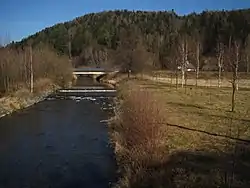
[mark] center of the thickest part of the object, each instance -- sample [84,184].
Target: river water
[60,142]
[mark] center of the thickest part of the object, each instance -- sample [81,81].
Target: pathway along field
[205,145]
[206,79]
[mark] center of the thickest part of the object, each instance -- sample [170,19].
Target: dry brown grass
[139,135]
[43,85]
[22,98]
[201,143]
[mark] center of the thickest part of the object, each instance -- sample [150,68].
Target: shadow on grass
[223,116]
[200,169]
[187,105]
[209,133]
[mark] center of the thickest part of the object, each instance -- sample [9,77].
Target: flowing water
[61,141]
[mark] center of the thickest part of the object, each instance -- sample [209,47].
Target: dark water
[60,142]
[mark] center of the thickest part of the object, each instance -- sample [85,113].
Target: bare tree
[234,60]
[184,58]
[70,35]
[247,64]
[198,53]
[235,73]
[175,59]
[220,52]
[183,63]
[23,67]
[247,54]
[31,71]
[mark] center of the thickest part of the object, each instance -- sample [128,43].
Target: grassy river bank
[22,98]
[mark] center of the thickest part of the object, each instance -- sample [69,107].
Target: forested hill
[97,37]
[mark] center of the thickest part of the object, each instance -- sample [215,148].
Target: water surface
[60,142]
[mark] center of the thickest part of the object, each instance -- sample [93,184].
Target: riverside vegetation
[168,137]
[27,75]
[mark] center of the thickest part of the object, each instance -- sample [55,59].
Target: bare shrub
[43,84]
[140,135]
[48,64]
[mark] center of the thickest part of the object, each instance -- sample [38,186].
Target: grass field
[206,109]
[205,144]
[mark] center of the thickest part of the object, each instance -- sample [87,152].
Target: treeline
[23,67]
[96,39]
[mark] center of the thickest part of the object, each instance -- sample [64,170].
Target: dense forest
[121,38]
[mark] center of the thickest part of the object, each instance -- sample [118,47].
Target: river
[61,141]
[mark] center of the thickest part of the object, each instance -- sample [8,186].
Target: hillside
[102,38]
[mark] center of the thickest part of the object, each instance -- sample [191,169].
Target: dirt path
[243,83]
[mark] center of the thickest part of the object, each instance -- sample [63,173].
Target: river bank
[22,98]
[167,137]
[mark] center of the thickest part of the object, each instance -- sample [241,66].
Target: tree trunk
[183,64]
[237,67]
[31,71]
[247,62]
[182,77]
[233,96]
[176,79]
[185,82]
[220,63]
[26,68]
[171,78]
[198,63]
[69,45]
[219,73]
[235,76]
